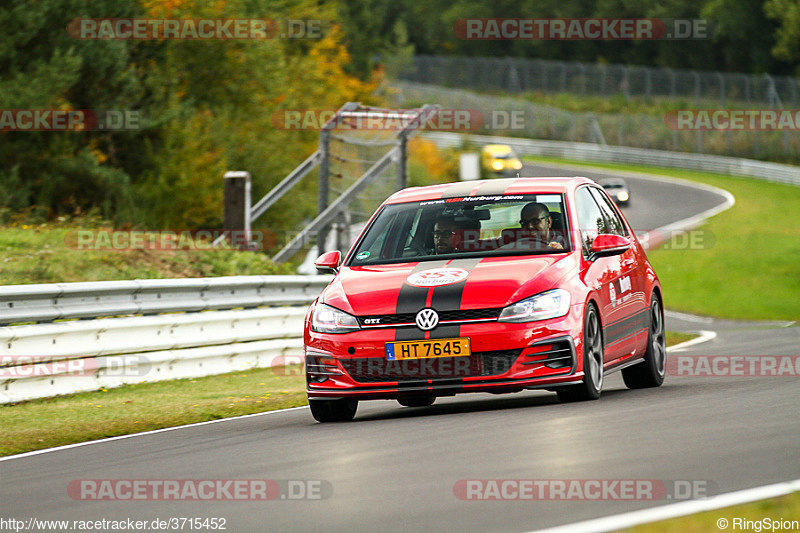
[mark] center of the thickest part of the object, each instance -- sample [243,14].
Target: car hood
[489,283]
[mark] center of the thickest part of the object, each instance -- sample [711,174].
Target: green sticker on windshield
[362,255]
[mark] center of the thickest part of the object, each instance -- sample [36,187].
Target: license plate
[396,351]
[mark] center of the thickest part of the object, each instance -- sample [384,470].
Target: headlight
[327,319]
[497,165]
[517,165]
[622,196]
[550,304]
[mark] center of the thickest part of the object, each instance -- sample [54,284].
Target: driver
[535,218]
[444,233]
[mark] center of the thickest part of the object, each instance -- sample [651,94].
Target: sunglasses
[532,221]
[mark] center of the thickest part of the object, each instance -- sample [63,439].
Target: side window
[591,221]
[613,222]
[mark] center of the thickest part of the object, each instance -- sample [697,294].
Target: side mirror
[605,245]
[329,261]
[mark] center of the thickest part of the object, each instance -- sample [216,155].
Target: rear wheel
[333,410]
[589,388]
[417,401]
[650,373]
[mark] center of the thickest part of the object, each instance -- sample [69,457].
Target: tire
[333,410]
[416,401]
[651,372]
[592,384]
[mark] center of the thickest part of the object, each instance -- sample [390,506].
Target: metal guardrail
[42,360]
[775,172]
[57,301]
[248,321]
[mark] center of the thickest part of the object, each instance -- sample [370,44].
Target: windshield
[505,155]
[465,227]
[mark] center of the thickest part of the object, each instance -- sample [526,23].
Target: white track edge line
[675,510]
[705,336]
[143,433]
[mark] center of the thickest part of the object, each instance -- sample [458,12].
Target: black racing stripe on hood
[448,298]
[411,299]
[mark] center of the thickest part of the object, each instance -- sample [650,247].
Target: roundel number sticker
[436,277]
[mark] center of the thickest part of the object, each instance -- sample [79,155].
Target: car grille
[408,318]
[375,369]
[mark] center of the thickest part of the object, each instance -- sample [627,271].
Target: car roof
[497,148]
[491,187]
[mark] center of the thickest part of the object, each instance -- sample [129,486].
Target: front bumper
[505,358]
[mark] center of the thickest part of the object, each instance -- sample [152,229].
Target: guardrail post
[324,172]
[237,206]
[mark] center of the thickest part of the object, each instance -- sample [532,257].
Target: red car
[485,286]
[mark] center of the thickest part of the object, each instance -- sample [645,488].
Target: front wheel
[650,373]
[333,410]
[589,388]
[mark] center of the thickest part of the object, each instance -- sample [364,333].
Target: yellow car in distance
[499,160]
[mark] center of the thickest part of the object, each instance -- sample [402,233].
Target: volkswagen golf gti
[485,286]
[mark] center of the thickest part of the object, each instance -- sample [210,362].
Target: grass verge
[676,337]
[48,253]
[776,509]
[752,268]
[87,416]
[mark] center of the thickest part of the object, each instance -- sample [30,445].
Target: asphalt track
[395,468]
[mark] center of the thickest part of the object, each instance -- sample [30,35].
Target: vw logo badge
[427,319]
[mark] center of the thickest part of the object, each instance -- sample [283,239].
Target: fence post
[513,76]
[402,171]
[237,207]
[603,75]
[747,89]
[672,84]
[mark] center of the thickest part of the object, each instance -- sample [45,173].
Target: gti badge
[427,319]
